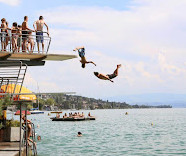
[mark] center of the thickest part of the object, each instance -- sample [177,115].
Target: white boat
[36,112]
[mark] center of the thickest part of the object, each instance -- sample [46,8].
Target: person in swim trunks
[3,34]
[108,76]
[81,51]
[39,32]
[25,34]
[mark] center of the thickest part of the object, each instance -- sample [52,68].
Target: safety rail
[12,73]
[25,42]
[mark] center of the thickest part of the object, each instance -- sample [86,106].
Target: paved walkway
[9,149]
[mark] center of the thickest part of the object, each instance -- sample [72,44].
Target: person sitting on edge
[108,76]
[89,114]
[79,134]
[65,116]
[39,31]
[25,30]
[81,115]
[57,115]
[3,34]
[81,51]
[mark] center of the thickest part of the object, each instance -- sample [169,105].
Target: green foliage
[50,102]
[29,107]
[12,123]
[4,103]
[1,125]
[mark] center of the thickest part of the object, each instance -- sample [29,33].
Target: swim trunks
[111,76]
[19,41]
[81,52]
[39,37]
[24,34]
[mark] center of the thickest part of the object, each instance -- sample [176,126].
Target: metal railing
[12,73]
[27,42]
[33,137]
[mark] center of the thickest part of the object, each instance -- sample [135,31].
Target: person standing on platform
[3,34]
[39,32]
[25,34]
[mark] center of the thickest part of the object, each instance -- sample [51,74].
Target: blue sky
[146,36]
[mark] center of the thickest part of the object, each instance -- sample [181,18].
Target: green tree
[50,102]
[66,105]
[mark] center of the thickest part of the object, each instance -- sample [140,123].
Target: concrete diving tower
[30,54]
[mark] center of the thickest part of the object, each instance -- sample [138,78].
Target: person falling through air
[108,76]
[81,51]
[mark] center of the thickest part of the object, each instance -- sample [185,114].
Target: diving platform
[30,53]
[34,59]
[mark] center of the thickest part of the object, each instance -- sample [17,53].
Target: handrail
[24,43]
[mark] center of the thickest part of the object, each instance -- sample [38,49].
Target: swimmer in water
[81,51]
[108,76]
[79,134]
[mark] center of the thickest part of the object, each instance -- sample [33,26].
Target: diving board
[33,56]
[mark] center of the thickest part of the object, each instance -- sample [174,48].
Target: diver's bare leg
[116,71]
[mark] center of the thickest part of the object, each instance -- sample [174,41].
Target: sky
[146,36]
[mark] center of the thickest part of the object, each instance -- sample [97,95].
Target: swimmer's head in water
[79,133]
[96,73]
[38,137]
[83,65]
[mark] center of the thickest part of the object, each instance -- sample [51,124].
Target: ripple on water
[114,133]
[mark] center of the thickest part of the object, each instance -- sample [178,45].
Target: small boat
[72,119]
[36,112]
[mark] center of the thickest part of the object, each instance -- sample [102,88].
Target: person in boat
[29,128]
[108,76]
[25,34]
[81,51]
[57,115]
[78,114]
[82,115]
[39,31]
[79,134]
[3,34]
[65,116]
[89,114]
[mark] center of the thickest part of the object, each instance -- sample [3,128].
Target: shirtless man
[3,34]
[39,31]
[81,51]
[108,76]
[25,30]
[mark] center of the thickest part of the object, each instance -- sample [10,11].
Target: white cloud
[11,2]
[135,38]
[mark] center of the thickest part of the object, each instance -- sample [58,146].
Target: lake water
[113,133]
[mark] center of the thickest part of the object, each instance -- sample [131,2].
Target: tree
[50,102]
[66,105]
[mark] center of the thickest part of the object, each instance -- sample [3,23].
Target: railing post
[20,126]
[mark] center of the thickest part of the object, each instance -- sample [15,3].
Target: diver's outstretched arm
[91,62]
[78,48]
